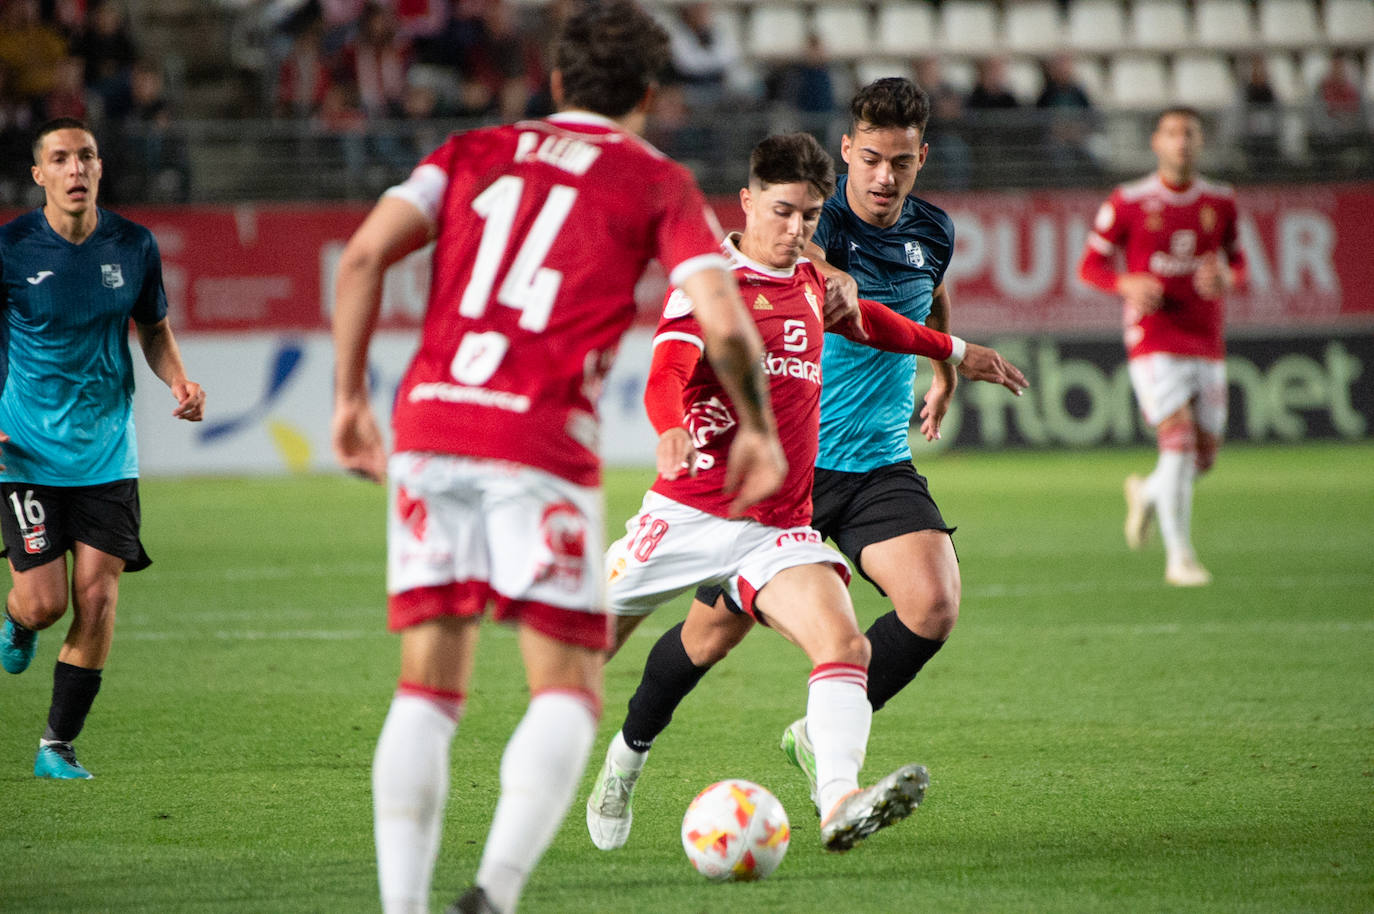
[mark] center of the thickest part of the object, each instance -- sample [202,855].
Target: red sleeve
[1097,269]
[890,331]
[672,365]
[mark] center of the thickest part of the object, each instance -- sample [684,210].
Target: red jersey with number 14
[543,228]
[1168,231]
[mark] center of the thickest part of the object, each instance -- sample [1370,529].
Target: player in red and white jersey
[541,231]
[771,562]
[1167,244]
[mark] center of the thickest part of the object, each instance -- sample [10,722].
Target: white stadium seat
[1033,27]
[777,30]
[969,27]
[905,29]
[1137,82]
[1225,24]
[846,30]
[1159,25]
[1289,23]
[1205,81]
[1285,78]
[1092,76]
[1349,22]
[867,70]
[1097,26]
[1026,79]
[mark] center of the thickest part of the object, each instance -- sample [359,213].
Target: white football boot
[609,816]
[1140,512]
[862,812]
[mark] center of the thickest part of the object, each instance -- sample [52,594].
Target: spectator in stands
[304,78]
[999,138]
[68,96]
[109,51]
[991,92]
[1258,118]
[949,163]
[807,88]
[29,48]
[17,120]
[703,54]
[1069,119]
[156,166]
[340,21]
[376,61]
[1339,127]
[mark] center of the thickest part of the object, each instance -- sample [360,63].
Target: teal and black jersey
[67,402]
[868,396]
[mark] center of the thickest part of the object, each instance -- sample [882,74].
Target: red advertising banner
[1310,250]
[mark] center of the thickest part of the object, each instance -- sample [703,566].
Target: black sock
[73,690]
[669,675]
[898,655]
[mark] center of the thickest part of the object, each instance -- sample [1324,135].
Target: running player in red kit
[1176,233]
[770,562]
[541,231]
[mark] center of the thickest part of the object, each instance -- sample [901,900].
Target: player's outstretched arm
[755,466]
[393,229]
[160,348]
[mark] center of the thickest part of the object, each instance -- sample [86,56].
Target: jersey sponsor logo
[789,366]
[914,255]
[762,304]
[477,396]
[111,275]
[797,536]
[564,532]
[794,335]
[1180,259]
[42,275]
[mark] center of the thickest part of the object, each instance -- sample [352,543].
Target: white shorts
[1164,383]
[669,548]
[463,533]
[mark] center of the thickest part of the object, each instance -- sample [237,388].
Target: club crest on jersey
[811,300]
[914,255]
[36,539]
[111,275]
[1207,217]
[564,533]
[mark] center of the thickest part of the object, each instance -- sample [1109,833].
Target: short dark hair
[893,101]
[1180,111]
[609,53]
[54,125]
[787,158]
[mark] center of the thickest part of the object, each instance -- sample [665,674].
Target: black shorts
[41,523]
[858,509]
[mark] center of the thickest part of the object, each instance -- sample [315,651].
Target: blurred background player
[772,563]
[1167,245]
[495,479]
[73,276]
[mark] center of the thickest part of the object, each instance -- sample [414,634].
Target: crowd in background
[342,67]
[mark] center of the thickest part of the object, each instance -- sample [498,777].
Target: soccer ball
[735,831]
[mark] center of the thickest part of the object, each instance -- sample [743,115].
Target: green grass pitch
[1097,742]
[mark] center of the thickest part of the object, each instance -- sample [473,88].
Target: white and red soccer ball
[735,831]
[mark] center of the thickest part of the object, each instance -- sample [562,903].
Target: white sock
[1170,487]
[540,771]
[628,760]
[838,716]
[409,789]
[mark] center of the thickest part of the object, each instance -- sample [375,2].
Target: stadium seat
[1225,24]
[905,29]
[1098,26]
[846,30]
[869,69]
[1289,23]
[1285,78]
[1349,23]
[1159,25]
[777,31]
[969,27]
[1033,27]
[1026,79]
[1313,66]
[1137,82]
[1205,81]
[1092,76]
